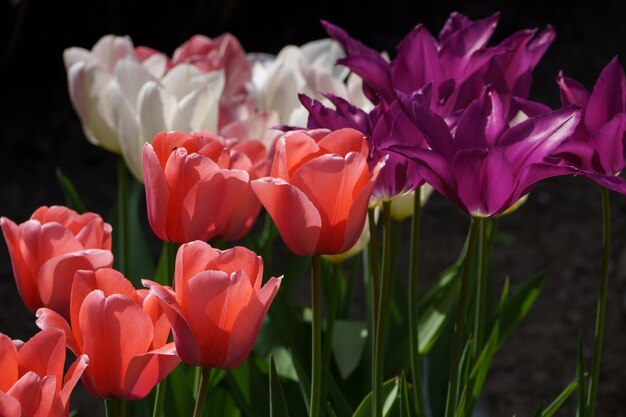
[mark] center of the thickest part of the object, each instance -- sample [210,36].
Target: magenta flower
[597,146]
[485,167]
[384,124]
[459,64]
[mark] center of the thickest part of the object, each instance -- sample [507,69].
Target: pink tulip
[198,186]
[49,248]
[122,330]
[319,190]
[32,382]
[219,304]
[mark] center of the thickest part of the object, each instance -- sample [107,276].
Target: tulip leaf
[330,410]
[518,304]
[180,390]
[303,379]
[581,398]
[220,403]
[390,397]
[348,345]
[558,402]
[437,303]
[239,383]
[72,199]
[278,404]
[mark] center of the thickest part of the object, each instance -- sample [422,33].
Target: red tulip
[198,186]
[319,190]
[122,330]
[49,248]
[32,382]
[218,306]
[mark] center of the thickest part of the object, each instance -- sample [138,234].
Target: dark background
[559,227]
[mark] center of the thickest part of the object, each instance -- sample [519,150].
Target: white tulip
[124,103]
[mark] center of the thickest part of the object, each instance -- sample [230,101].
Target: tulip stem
[373,251]
[459,327]
[159,400]
[115,408]
[601,309]
[203,388]
[316,336]
[416,360]
[481,288]
[381,314]
[122,217]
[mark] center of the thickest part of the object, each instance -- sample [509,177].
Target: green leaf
[483,363]
[404,399]
[72,199]
[558,402]
[303,379]
[518,305]
[349,338]
[390,396]
[581,398]
[539,411]
[180,390]
[330,410]
[278,405]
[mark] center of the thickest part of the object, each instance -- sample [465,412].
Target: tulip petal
[608,141]
[608,97]
[572,92]
[57,274]
[27,391]
[482,123]
[239,259]
[191,259]
[47,319]
[148,369]
[9,406]
[417,62]
[44,354]
[157,192]
[343,141]
[72,376]
[155,110]
[298,220]
[247,324]
[8,363]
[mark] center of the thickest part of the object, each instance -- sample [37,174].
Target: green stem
[374,271]
[159,400]
[601,309]
[316,337]
[331,313]
[122,216]
[459,327]
[115,408]
[416,360]
[381,314]
[203,388]
[481,287]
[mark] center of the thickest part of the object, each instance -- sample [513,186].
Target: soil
[558,228]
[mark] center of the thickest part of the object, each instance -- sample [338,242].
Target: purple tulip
[459,64]
[485,166]
[597,147]
[384,125]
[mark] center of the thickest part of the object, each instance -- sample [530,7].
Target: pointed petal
[572,92]
[44,354]
[482,124]
[8,363]
[608,97]
[148,369]
[48,319]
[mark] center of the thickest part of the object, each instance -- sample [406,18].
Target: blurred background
[558,228]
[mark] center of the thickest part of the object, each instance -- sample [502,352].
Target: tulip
[309,69]
[458,64]
[485,167]
[122,101]
[197,187]
[219,304]
[319,189]
[122,330]
[49,248]
[597,146]
[32,381]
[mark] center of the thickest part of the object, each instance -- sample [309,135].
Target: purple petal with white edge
[375,74]
[417,61]
[432,126]
[608,141]
[482,124]
[534,139]
[485,180]
[608,96]
[572,92]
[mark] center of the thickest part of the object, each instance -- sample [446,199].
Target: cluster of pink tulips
[327,138]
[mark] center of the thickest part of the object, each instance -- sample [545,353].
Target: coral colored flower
[319,190]
[219,304]
[384,124]
[122,101]
[597,147]
[49,248]
[122,330]
[198,187]
[32,381]
[485,167]
[458,64]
